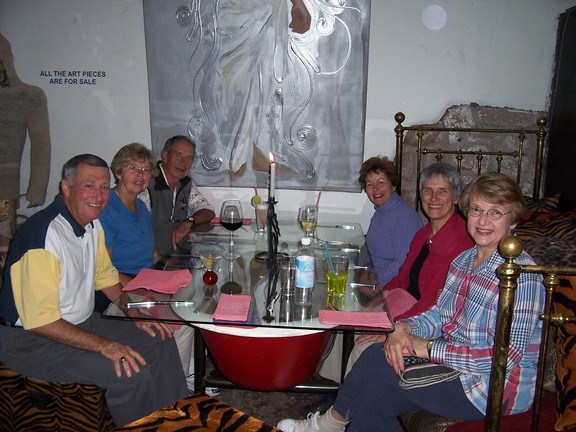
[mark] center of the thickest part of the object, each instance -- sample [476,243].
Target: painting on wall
[250,80]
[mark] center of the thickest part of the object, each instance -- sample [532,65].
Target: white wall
[493,52]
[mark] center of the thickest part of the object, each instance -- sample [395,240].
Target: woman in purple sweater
[394,222]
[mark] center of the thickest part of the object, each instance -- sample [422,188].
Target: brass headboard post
[399,129]
[541,138]
[509,272]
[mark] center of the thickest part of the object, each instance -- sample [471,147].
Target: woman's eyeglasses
[493,214]
[135,169]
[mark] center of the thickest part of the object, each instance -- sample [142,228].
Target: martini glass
[209,254]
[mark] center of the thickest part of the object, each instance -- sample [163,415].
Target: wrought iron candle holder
[271,257]
[272,292]
[273,231]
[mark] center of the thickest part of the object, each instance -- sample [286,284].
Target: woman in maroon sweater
[444,245]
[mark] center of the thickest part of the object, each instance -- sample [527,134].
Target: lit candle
[272,178]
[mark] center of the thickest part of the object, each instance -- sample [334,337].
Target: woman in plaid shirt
[458,331]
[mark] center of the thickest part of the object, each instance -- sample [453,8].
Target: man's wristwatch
[429,347]
[191,219]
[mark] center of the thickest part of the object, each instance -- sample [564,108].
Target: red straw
[318,199]
[256,190]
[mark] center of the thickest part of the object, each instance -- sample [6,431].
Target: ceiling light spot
[434,17]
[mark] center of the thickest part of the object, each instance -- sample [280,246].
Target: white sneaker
[292,425]
[212,391]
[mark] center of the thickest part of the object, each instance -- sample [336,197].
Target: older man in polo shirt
[57,260]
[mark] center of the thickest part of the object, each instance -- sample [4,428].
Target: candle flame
[271,156]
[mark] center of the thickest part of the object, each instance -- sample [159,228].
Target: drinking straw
[318,199]
[256,190]
[329,258]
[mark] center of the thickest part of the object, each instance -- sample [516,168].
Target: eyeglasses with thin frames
[493,214]
[135,169]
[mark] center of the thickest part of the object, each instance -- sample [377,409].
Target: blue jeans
[371,398]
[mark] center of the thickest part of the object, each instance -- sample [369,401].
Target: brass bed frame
[510,248]
[477,158]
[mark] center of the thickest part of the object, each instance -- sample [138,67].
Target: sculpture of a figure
[23,110]
[253,69]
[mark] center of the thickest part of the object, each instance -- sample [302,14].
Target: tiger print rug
[198,413]
[30,404]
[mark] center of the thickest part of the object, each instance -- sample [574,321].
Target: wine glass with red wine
[231,219]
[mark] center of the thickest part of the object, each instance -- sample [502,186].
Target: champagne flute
[231,219]
[307,219]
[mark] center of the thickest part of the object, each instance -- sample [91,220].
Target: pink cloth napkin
[399,301]
[359,319]
[167,282]
[232,307]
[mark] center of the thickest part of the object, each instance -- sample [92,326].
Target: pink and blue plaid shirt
[463,322]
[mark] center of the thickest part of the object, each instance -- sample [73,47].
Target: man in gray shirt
[174,200]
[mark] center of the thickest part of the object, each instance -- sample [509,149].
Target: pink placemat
[359,319]
[232,307]
[399,301]
[167,282]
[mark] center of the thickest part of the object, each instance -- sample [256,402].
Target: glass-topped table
[254,275]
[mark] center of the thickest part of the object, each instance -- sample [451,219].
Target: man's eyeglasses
[135,169]
[493,214]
